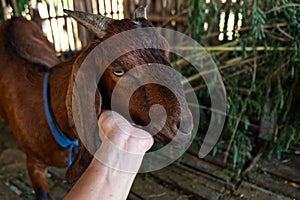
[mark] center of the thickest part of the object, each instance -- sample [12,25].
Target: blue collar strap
[58,135]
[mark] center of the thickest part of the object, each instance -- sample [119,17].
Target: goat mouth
[177,137]
[167,134]
[163,138]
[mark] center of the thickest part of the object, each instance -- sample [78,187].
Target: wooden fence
[65,32]
[67,36]
[162,13]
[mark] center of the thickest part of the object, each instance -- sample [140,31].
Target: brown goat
[25,58]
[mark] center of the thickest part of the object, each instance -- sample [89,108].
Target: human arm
[101,181]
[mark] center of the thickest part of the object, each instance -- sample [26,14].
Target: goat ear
[70,93]
[84,157]
[84,115]
[31,44]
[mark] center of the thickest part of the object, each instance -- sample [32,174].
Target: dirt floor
[189,178]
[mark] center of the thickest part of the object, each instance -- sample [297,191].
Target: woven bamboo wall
[162,13]
[68,36]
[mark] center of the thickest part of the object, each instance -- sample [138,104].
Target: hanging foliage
[259,62]
[18,6]
[197,8]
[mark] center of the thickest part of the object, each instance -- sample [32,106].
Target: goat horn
[141,12]
[95,23]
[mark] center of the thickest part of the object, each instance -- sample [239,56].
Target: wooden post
[4,9]
[15,7]
[129,8]
[84,35]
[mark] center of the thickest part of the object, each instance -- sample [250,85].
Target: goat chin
[136,125]
[180,138]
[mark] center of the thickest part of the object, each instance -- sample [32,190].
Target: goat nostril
[185,125]
[178,125]
[182,128]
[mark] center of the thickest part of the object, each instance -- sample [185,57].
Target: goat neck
[58,83]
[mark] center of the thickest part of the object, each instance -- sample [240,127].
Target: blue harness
[58,135]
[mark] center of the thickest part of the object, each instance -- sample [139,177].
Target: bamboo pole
[244,108]
[181,61]
[84,35]
[283,6]
[15,7]
[4,9]
[231,49]
[232,137]
[221,113]
[247,28]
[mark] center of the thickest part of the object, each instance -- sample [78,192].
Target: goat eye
[119,72]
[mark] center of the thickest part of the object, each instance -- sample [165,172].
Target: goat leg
[79,165]
[38,175]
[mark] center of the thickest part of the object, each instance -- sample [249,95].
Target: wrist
[111,156]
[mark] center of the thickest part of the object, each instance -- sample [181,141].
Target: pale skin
[102,182]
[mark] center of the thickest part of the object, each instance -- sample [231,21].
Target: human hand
[123,145]
[116,129]
[122,150]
